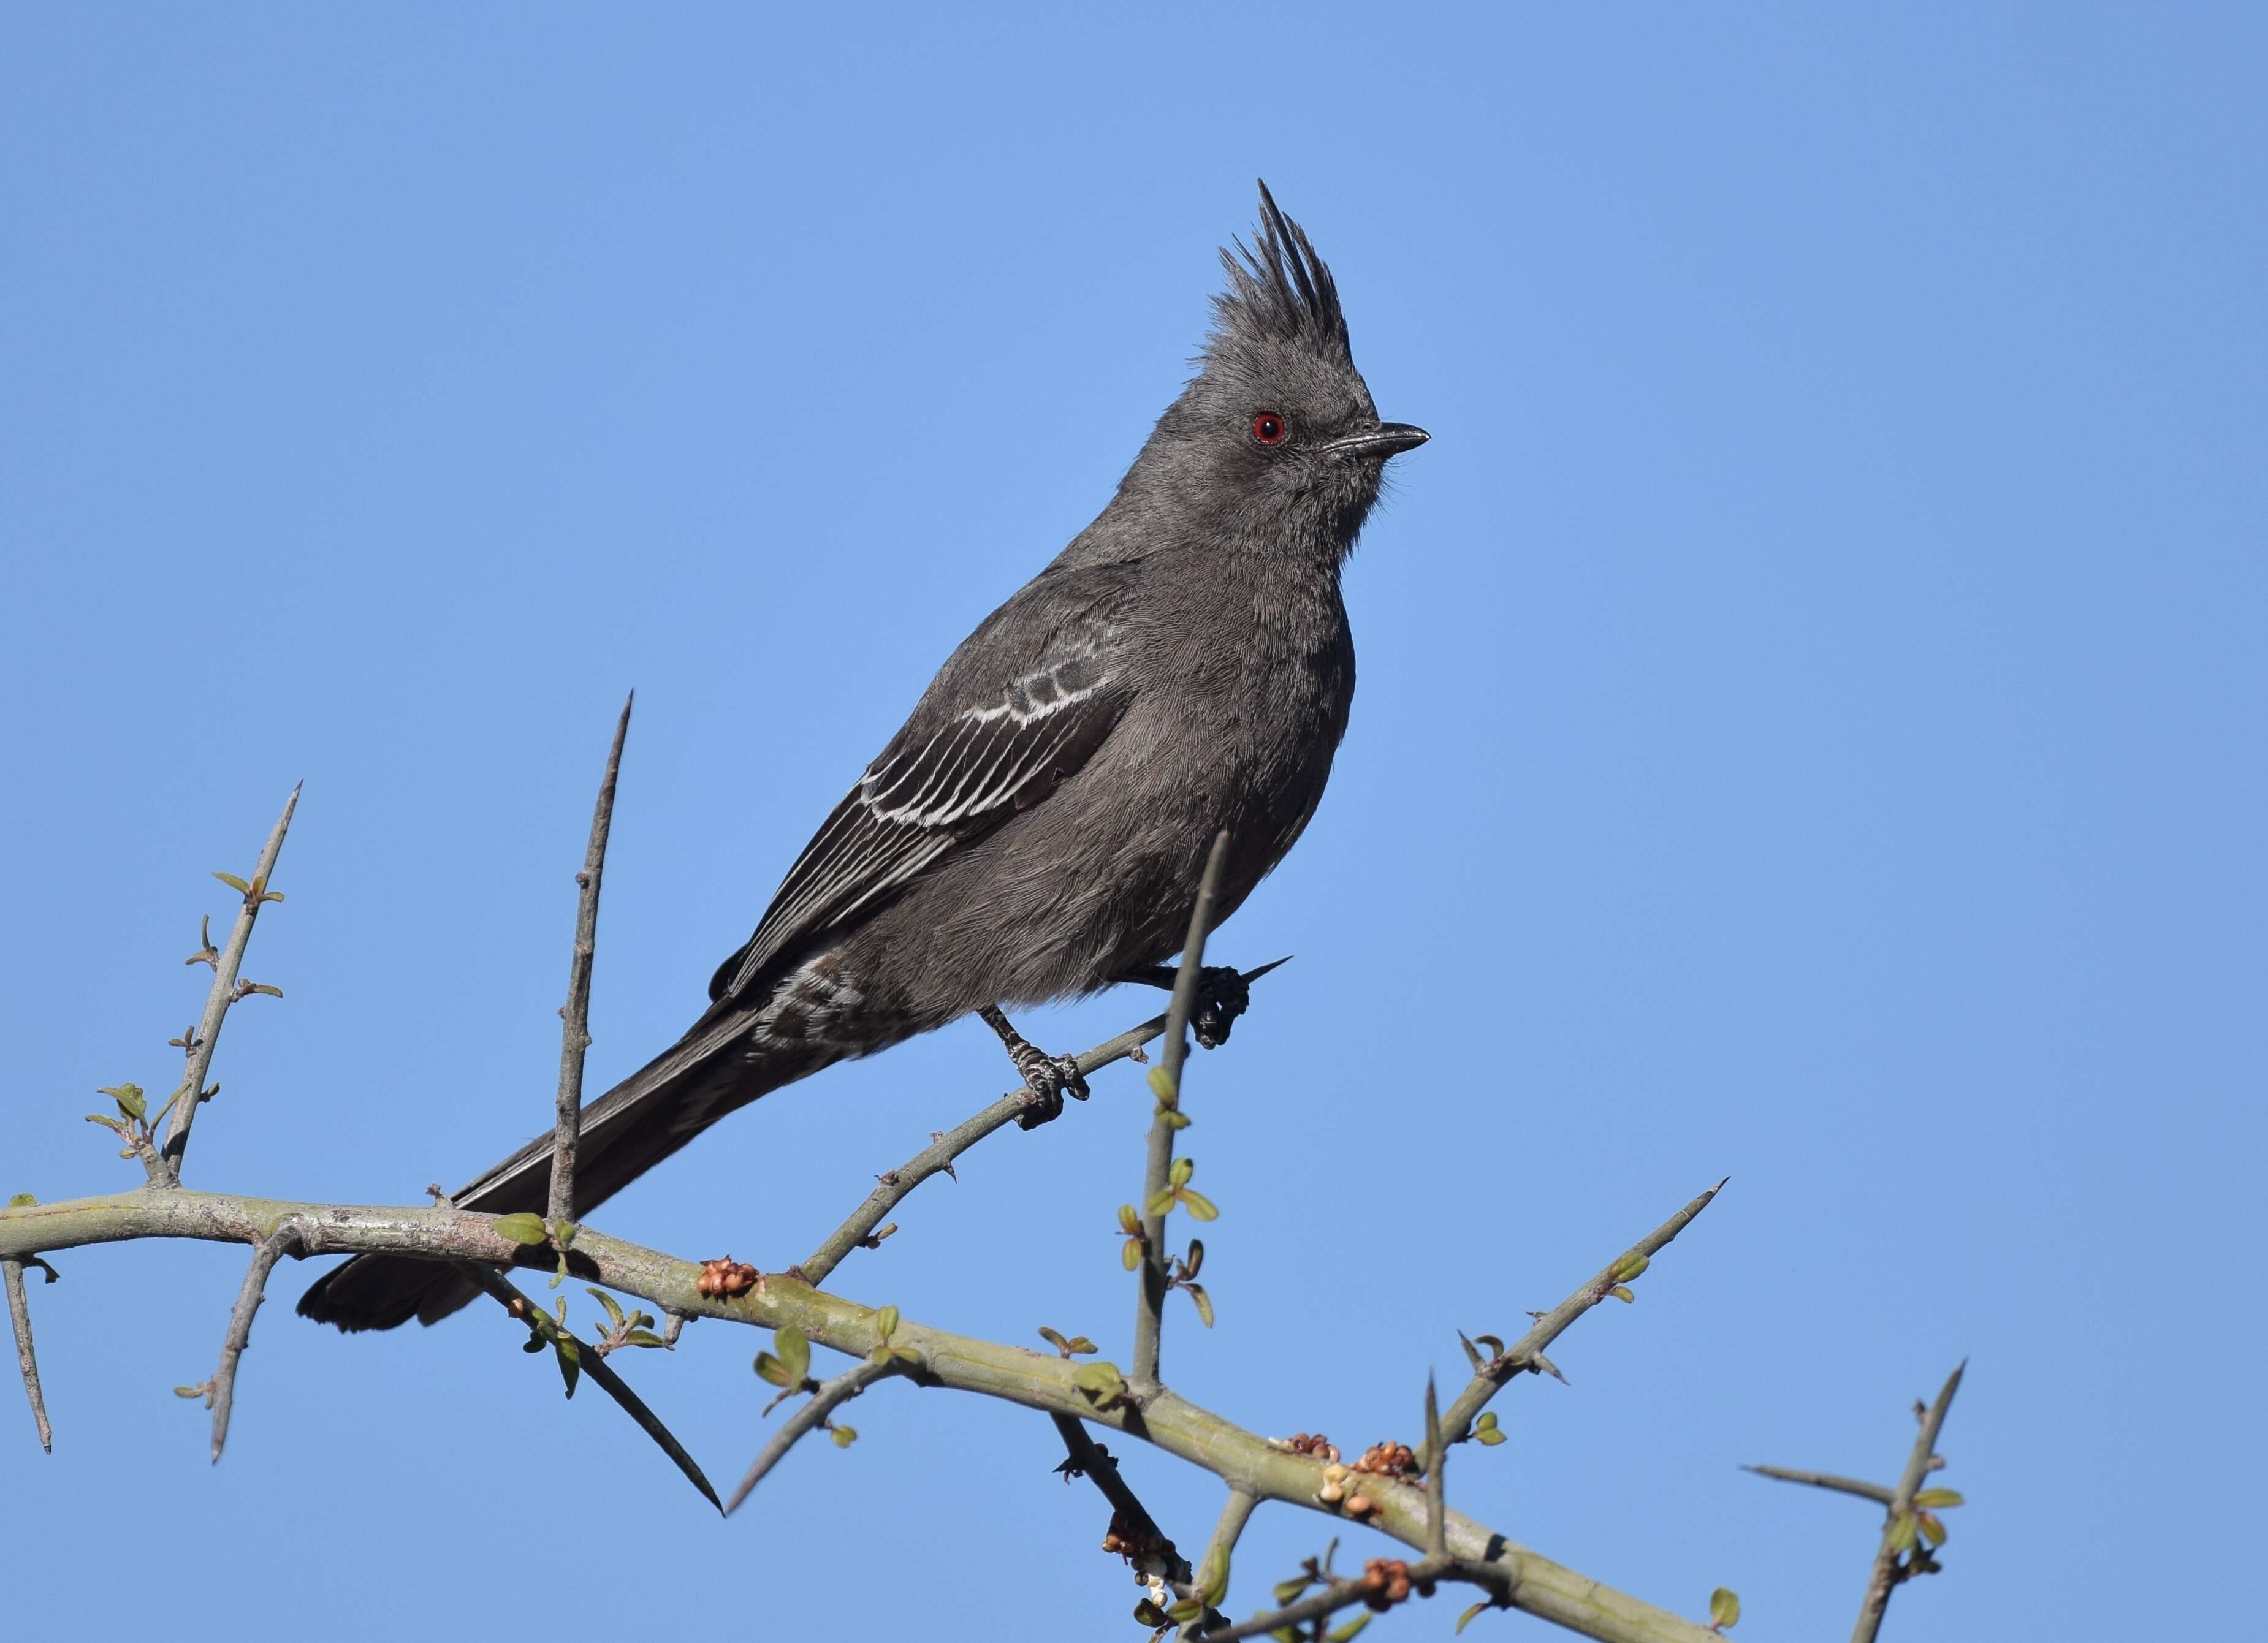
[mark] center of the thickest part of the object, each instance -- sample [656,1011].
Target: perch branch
[575,1035]
[19,1314]
[936,1157]
[1151,1305]
[190,1094]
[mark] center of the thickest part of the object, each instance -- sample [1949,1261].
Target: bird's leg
[1222,996]
[1049,1077]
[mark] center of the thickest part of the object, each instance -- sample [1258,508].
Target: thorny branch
[1527,1354]
[1900,1533]
[220,1391]
[1881,1493]
[19,1315]
[1148,1316]
[830,1396]
[575,1015]
[226,963]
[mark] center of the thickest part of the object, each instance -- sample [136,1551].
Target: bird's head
[1277,429]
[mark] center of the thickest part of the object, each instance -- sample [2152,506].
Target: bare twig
[220,1395]
[1098,1466]
[1878,1493]
[575,1035]
[1151,1302]
[594,1364]
[1896,1525]
[225,993]
[1437,1463]
[1527,1353]
[936,1158]
[830,1396]
[19,1314]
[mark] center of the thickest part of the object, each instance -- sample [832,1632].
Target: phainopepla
[1037,829]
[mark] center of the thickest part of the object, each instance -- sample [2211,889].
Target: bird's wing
[1019,709]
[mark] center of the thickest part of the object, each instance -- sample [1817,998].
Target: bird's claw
[1047,1079]
[1222,996]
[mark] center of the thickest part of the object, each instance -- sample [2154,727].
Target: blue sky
[1809,731]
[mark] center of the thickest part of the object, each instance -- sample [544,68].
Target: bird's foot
[1048,1078]
[1224,993]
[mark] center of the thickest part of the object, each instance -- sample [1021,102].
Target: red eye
[1267,429]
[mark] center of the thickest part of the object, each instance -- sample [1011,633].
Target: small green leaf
[1724,1608]
[1200,1207]
[794,1348]
[906,1354]
[1054,1339]
[1903,1530]
[1182,1170]
[1188,1609]
[614,1307]
[886,1323]
[22,1200]
[564,1233]
[188,1391]
[642,1337]
[1161,1085]
[559,1276]
[1129,1220]
[1631,1265]
[1466,1618]
[234,882]
[1195,1263]
[129,1097]
[571,1361]
[1938,1499]
[1932,1527]
[773,1370]
[1079,1343]
[1175,1118]
[1488,1435]
[1149,1614]
[1130,1253]
[524,1227]
[1284,1591]
[1212,1578]
[1204,1303]
[1621,1292]
[1163,1204]
[843,1436]
[1351,1629]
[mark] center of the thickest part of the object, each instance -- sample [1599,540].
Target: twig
[221,1394]
[830,1396]
[938,1155]
[1098,1466]
[575,1035]
[19,1314]
[1828,1480]
[507,1294]
[1151,1302]
[1527,1353]
[190,1093]
[1886,1574]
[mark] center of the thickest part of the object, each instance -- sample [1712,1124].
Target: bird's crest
[1278,289]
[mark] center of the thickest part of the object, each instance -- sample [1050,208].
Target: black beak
[1386,440]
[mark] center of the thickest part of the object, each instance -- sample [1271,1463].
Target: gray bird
[1037,829]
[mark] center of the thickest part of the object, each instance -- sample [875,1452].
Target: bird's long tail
[712,1071]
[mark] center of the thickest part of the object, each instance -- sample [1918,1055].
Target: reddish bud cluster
[1136,1543]
[1315,1444]
[1387,1580]
[1388,1459]
[723,1278]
